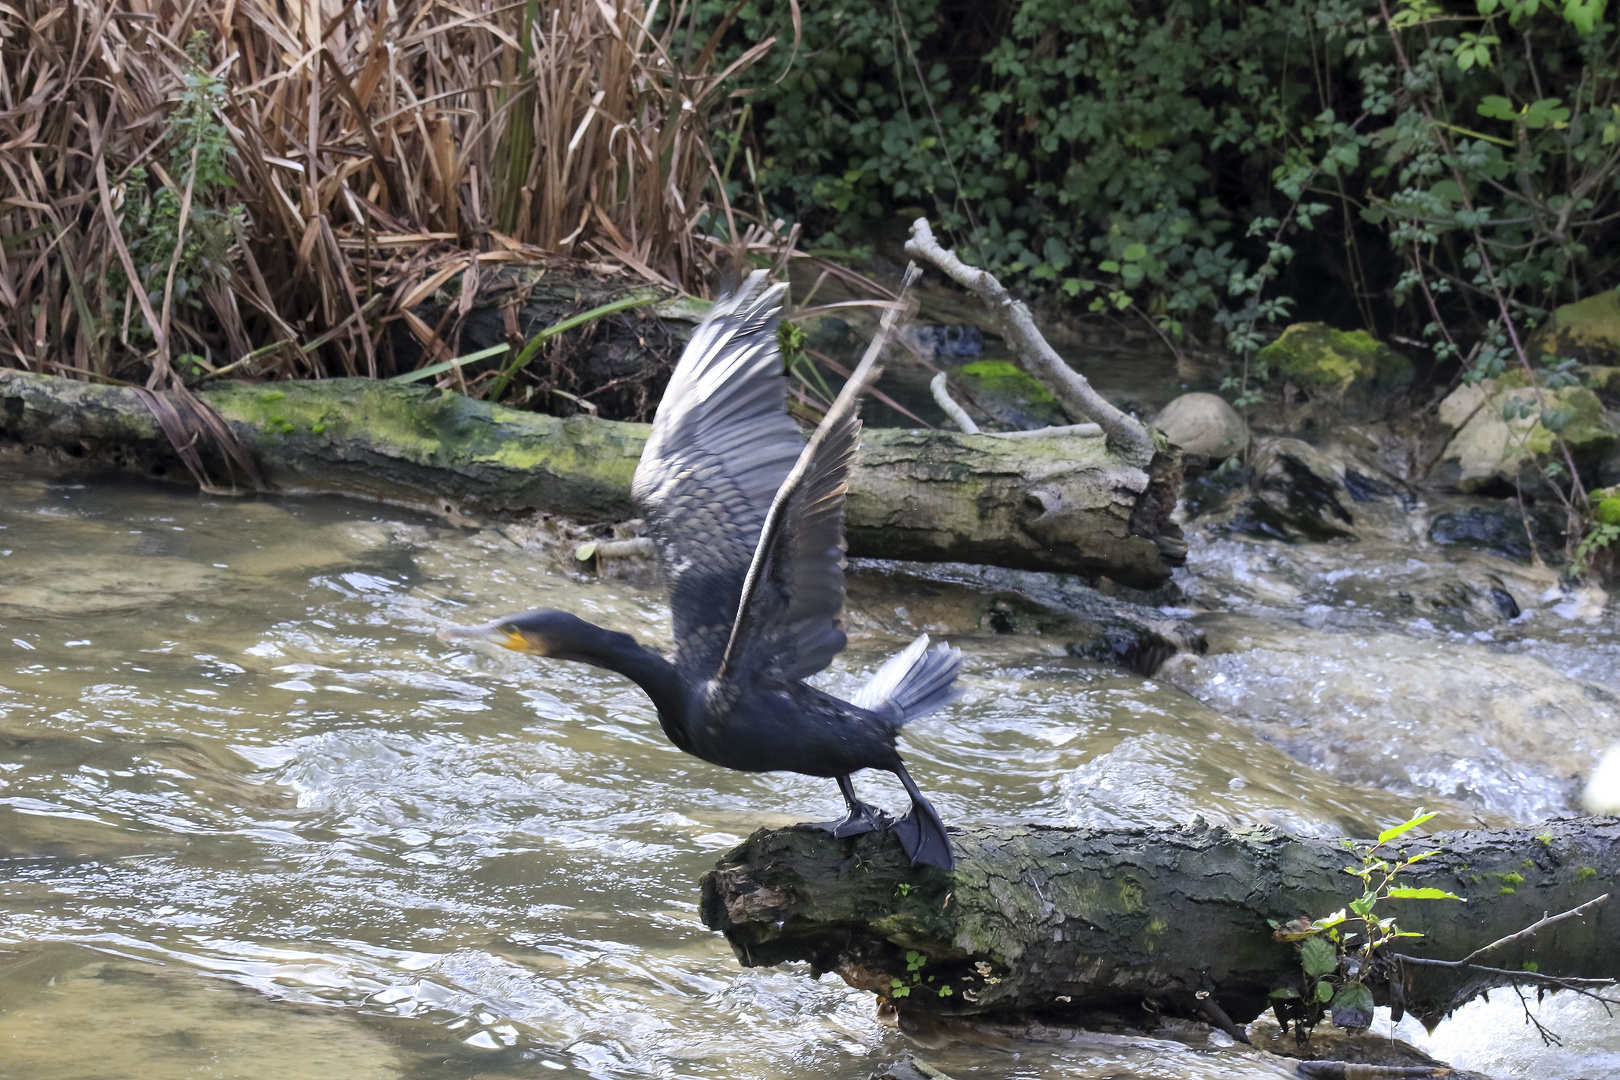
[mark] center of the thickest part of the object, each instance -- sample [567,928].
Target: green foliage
[1340,953]
[1446,172]
[1176,157]
[914,979]
[199,153]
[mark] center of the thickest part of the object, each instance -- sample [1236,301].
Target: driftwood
[1053,503]
[1074,393]
[1073,922]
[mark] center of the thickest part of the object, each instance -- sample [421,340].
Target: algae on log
[1062,920]
[1058,504]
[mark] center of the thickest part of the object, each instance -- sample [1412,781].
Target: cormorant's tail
[914,681]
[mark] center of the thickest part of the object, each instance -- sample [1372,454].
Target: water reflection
[256,820]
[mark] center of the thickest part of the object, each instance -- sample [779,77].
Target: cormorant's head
[539,633]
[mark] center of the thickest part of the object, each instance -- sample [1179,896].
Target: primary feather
[721,446]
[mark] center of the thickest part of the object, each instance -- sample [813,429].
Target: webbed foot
[921,833]
[862,818]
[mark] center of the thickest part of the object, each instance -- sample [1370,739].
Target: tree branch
[1126,435]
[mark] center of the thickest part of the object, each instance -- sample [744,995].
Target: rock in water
[1009,394]
[1293,491]
[1501,429]
[1500,530]
[1204,424]
[1325,362]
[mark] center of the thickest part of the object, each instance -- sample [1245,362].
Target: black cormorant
[748,523]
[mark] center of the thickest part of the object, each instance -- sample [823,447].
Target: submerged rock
[1500,529]
[962,339]
[956,598]
[102,1019]
[1502,437]
[1008,394]
[1328,362]
[1204,424]
[1293,491]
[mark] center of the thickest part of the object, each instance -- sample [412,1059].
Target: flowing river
[256,821]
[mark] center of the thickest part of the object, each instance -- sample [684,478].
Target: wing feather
[722,444]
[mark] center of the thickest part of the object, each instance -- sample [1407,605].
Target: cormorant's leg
[861,818]
[921,833]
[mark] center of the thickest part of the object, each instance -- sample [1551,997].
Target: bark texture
[1057,920]
[1047,503]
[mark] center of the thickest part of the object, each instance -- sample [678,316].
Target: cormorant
[748,522]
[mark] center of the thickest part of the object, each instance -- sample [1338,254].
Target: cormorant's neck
[591,644]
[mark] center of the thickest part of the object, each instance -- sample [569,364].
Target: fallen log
[1054,503]
[1064,922]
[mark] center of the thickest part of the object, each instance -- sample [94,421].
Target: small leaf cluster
[150,218]
[1340,953]
[915,980]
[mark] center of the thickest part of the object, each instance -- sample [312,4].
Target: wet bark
[1058,503]
[1059,921]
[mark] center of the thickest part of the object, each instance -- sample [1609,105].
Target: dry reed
[378,152]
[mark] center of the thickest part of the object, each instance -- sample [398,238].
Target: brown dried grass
[382,149]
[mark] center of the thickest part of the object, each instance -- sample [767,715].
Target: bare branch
[1125,434]
[958,415]
[1546,920]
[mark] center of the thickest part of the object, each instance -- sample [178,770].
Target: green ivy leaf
[1558,418]
[1353,1006]
[1497,107]
[1421,894]
[1405,827]
[1583,15]
[1318,957]
[1548,112]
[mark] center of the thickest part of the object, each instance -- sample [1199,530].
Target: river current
[256,821]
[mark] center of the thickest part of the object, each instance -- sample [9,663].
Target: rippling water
[256,821]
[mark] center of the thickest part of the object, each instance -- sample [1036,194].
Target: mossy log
[1061,921]
[1057,503]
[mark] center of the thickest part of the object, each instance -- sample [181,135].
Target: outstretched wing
[795,576]
[721,445]
[789,624]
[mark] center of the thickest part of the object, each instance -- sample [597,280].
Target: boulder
[1589,331]
[1294,491]
[1499,433]
[1204,424]
[1499,528]
[1323,361]
[1008,394]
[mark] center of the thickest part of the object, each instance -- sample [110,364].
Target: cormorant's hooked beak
[499,632]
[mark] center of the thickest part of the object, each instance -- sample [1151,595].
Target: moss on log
[1079,921]
[1057,503]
